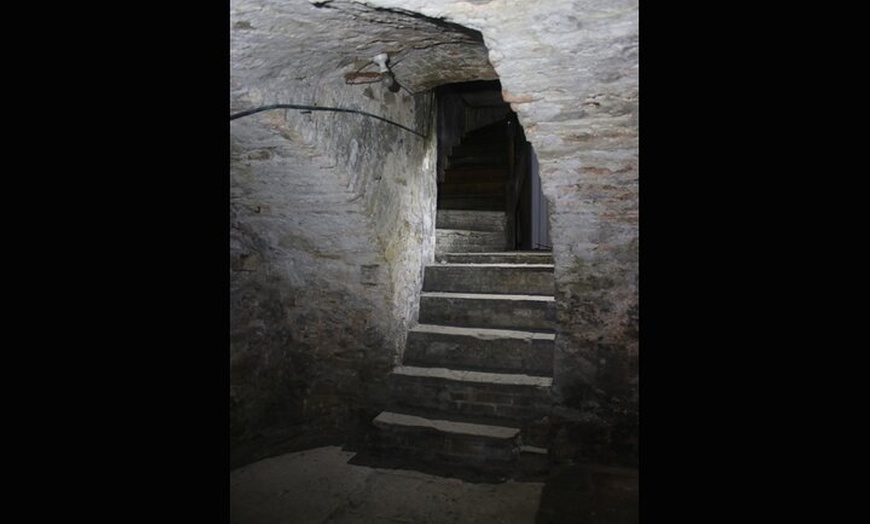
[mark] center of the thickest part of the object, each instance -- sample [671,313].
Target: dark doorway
[485,162]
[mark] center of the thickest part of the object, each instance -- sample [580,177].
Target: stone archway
[307,341]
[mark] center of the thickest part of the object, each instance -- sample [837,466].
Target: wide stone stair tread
[480,377]
[430,439]
[447,240]
[495,265]
[481,349]
[453,416]
[390,418]
[484,333]
[502,311]
[469,232]
[459,220]
[502,278]
[475,396]
[509,257]
[488,296]
[415,439]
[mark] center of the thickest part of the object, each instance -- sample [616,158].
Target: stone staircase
[473,390]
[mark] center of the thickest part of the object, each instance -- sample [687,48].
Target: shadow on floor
[589,495]
[464,473]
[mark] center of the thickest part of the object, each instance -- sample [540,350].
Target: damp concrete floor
[333,486]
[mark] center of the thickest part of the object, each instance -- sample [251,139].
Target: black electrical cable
[320,108]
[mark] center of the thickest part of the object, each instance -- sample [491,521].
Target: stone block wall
[327,249]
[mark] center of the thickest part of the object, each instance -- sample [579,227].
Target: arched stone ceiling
[278,44]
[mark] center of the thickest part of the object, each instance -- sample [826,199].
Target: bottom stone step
[391,419]
[475,445]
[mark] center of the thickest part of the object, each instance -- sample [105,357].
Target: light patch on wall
[427,160]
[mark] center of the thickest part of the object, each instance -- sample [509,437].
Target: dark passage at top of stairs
[477,171]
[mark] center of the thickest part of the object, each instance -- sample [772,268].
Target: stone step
[523,312]
[488,203]
[469,444]
[518,398]
[511,279]
[466,241]
[493,221]
[480,349]
[532,431]
[504,257]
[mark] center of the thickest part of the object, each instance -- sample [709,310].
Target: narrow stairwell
[477,171]
[473,390]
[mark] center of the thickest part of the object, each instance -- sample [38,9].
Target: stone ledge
[493,265]
[387,419]
[509,379]
[483,333]
[487,296]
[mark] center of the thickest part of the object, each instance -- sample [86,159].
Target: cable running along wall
[319,108]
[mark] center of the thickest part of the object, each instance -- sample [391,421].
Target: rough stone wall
[324,277]
[569,70]
[305,279]
[392,173]
[332,218]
